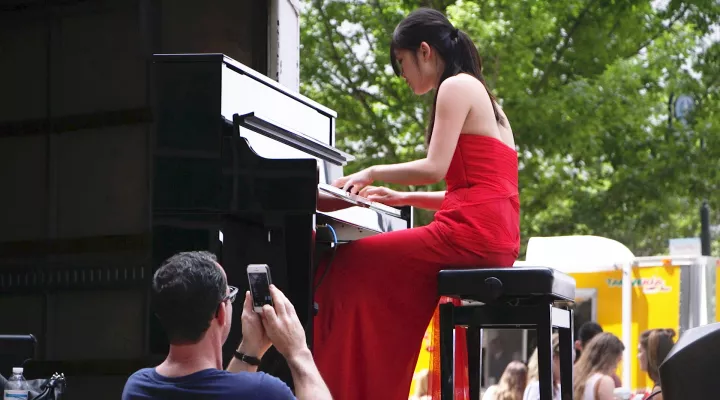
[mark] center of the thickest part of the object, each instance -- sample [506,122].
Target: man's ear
[578,345]
[221,314]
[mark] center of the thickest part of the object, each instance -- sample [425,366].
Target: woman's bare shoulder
[505,119]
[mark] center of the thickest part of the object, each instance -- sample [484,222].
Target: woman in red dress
[380,292]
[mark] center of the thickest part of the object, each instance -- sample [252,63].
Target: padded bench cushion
[501,284]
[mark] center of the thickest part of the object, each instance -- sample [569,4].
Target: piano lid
[245,70]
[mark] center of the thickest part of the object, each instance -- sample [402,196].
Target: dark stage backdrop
[77,239]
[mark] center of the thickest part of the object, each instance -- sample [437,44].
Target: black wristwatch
[247,359]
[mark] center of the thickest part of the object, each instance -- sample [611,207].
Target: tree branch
[384,21]
[660,31]
[559,51]
[352,86]
[356,61]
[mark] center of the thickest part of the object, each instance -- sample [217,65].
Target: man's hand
[288,336]
[255,341]
[283,326]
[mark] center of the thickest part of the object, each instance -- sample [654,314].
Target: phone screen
[260,289]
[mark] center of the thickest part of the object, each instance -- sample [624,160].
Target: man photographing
[194,304]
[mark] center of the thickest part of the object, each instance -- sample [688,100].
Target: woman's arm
[418,172]
[606,387]
[389,197]
[425,200]
[452,108]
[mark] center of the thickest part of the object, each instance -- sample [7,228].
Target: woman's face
[642,359]
[418,68]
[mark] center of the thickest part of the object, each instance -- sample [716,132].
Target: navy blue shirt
[211,384]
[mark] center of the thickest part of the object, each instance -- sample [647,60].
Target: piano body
[237,166]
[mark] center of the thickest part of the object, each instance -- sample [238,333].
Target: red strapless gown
[380,293]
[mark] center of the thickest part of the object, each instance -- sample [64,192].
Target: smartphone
[259,278]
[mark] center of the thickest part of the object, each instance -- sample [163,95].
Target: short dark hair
[588,331]
[186,291]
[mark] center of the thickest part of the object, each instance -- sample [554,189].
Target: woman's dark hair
[588,331]
[656,343]
[453,45]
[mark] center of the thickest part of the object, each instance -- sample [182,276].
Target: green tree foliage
[588,86]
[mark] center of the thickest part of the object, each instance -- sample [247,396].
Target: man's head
[191,298]
[586,332]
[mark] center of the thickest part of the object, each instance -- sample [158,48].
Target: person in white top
[532,391]
[512,383]
[592,378]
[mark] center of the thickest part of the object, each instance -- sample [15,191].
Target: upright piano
[241,161]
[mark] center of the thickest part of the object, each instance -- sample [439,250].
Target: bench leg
[567,349]
[474,343]
[447,352]
[545,354]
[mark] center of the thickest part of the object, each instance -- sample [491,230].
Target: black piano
[239,164]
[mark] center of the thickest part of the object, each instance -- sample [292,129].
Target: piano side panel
[187,148]
[187,105]
[186,166]
[187,184]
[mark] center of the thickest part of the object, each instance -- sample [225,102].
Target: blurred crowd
[597,357]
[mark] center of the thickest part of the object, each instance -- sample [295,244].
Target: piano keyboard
[359,200]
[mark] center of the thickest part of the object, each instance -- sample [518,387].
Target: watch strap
[247,359]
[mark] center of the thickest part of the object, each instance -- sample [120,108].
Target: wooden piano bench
[507,298]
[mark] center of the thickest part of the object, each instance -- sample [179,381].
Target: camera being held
[260,281]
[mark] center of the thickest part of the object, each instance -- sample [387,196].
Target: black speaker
[691,369]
